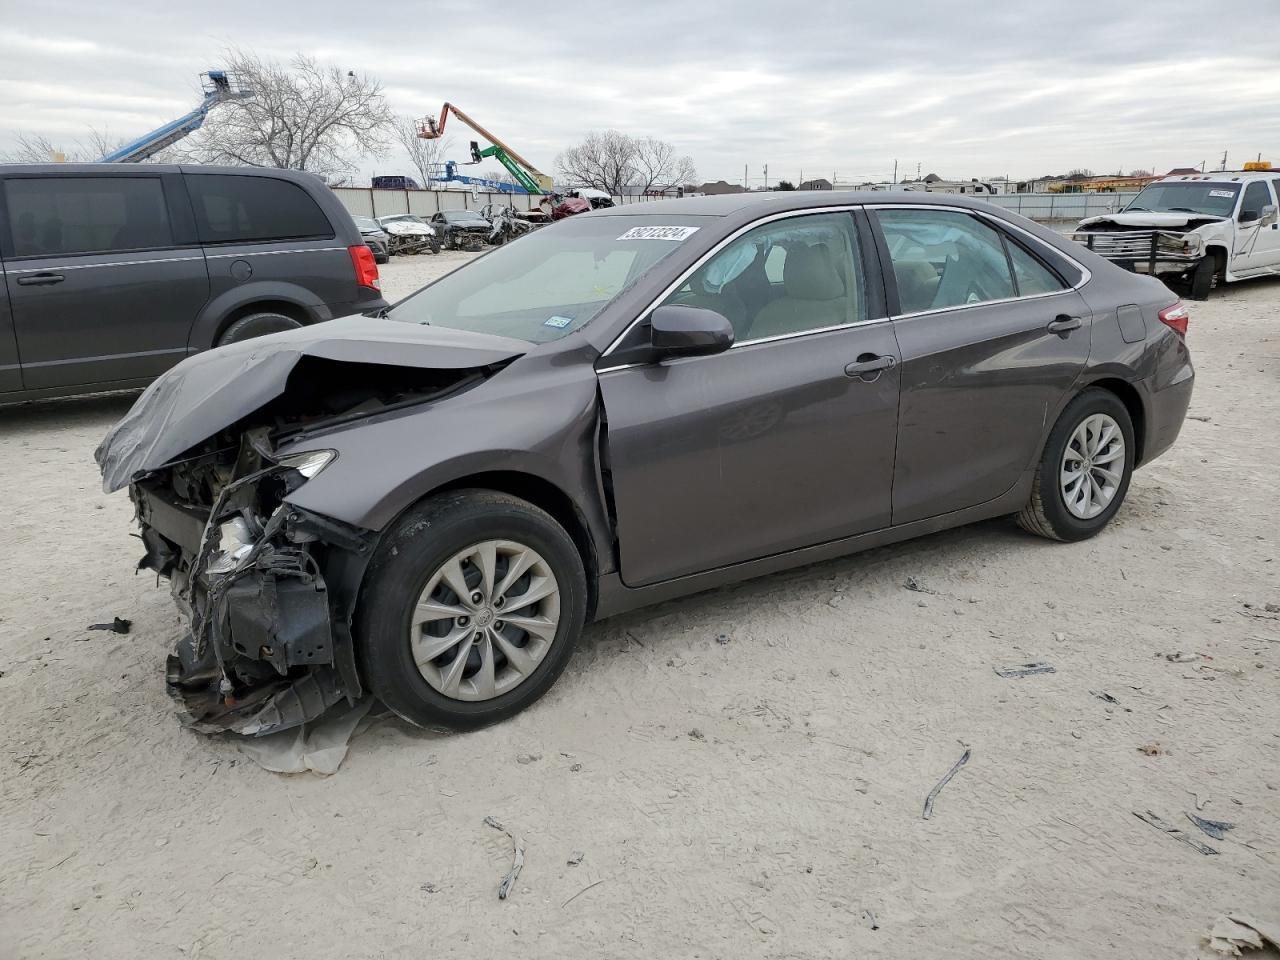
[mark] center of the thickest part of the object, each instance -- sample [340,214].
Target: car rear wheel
[470,610]
[1084,471]
[256,325]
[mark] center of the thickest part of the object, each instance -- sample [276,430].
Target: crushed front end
[267,589]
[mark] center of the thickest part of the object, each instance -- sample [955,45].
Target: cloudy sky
[816,88]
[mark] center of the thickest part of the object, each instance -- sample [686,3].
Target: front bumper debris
[268,604]
[1148,251]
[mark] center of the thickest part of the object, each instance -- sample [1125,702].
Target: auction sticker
[659,233]
[1222,193]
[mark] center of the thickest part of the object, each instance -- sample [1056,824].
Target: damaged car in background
[629,406]
[1200,229]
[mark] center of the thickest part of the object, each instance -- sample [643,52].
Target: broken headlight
[309,462]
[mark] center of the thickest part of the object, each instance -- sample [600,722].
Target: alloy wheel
[485,620]
[1092,466]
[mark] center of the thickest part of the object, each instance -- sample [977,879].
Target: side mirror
[1269,214]
[678,331]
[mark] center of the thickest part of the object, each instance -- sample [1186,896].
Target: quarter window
[944,259]
[1032,276]
[792,276]
[55,216]
[254,209]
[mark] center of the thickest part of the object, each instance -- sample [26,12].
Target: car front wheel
[470,610]
[1084,471]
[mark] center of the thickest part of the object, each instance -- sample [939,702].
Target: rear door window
[55,216]
[944,259]
[249,209]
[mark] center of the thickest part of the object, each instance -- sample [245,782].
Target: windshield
[364,223]
[1210,199]
[551,282]
[401,218]
[462,216]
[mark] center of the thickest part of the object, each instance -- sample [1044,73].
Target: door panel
[116,316]
[765,448]
[10,371]
[977,386]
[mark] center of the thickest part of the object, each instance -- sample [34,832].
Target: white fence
[366,202]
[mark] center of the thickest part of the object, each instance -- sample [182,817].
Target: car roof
[134,169]
[726,204]
[1223,176]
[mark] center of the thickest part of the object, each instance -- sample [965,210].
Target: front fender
[205,331]
[535,418]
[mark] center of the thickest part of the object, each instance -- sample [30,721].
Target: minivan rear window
[248,208]
[56,216]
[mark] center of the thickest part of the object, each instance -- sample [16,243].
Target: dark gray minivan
[114,273]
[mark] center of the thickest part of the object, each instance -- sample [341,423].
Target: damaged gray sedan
[629,406]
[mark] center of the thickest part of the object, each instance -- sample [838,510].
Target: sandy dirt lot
[740,773]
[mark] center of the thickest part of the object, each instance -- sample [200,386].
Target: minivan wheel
[470,610]
[1084,471]
[256,325]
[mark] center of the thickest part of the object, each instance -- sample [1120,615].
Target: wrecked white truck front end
[1154,243]
[212,453]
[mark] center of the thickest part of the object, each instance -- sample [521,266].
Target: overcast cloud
[961,89]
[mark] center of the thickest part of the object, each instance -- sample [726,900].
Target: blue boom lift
[219,87]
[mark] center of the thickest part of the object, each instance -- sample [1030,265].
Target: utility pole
[895,171]
[745,184]
[1224,161]
[1202,163]
[917,169]
[766,176]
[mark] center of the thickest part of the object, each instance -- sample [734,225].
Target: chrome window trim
[996,223]
[90,266]
[267,253]
[697,264]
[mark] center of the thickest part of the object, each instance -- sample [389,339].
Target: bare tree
[655,165]
[37,148]
[304,116]
[603,160]
[1139,173]
[613,161]
[426,156]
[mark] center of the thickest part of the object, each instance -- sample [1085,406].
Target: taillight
[1176,316]
[366,266]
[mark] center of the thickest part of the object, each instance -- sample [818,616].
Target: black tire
[1202,277]
[420,543]
[256,325]
[1046,513]
[435,244]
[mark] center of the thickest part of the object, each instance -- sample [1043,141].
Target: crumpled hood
[1149,219]
[210,391]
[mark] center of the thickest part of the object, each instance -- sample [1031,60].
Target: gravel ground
[741,772]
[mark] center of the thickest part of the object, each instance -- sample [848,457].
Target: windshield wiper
[1131,209]
[1182,210]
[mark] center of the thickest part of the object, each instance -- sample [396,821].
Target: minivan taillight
[1176,316]
[366,266]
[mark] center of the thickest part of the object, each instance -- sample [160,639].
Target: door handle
[40,279]
[870,363]
[1063,324]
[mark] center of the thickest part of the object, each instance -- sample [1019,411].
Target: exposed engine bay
[268,589]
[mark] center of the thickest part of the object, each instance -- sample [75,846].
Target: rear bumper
[1168,396]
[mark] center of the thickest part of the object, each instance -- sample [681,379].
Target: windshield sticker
[1222,193]
[558,322]
[659,233]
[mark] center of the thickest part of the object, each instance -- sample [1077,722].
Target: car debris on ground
[1213,828]
[1025,670]
[117,625]
[1235,930]
[1152,818]
[933,794]
[517,858]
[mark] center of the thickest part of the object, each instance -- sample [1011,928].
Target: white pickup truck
[1206,229]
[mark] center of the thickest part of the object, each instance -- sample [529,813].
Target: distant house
[820,184]
[1181,172]
[721,186]
[975,186]
[1103,185]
